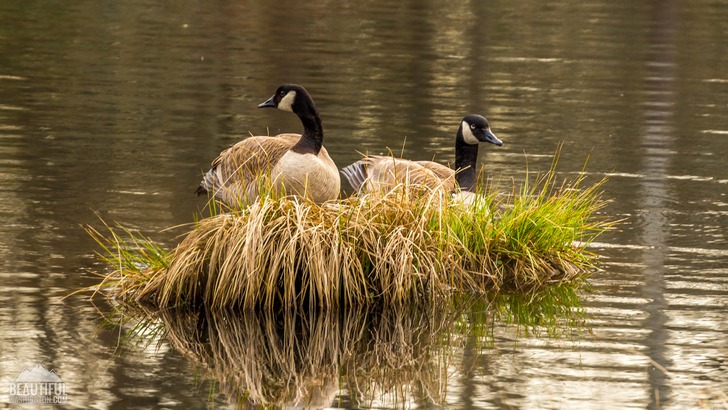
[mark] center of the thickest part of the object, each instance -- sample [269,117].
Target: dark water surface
[115,108]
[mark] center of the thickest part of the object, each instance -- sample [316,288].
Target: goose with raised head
[296,164]
[376,173]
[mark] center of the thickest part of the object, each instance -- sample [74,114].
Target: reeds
[399,247]
[539,237]
[134,258]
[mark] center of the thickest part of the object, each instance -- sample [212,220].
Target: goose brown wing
[384,172]
[444,173]
[234,173]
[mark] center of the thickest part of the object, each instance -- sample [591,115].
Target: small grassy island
[401,247]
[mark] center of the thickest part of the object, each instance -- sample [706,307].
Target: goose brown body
[377,173]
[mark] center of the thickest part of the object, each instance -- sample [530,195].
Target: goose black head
[289,97]
[475,129]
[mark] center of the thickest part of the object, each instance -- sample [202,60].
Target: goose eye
[472,126]
[282,93]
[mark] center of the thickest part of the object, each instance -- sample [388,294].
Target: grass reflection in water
[385,357]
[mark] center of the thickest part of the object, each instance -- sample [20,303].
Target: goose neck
[466,156]
[313,135]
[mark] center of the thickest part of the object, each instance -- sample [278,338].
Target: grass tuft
[134,258]
[399,247]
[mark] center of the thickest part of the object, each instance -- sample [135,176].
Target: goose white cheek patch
[468,134]
[286,103]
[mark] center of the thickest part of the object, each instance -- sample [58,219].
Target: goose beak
[490,137]
[268,103]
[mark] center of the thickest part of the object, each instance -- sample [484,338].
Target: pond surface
[113,109]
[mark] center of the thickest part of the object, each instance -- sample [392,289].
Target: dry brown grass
[398,247]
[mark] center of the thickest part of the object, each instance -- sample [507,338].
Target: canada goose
[297,163]
[374,172]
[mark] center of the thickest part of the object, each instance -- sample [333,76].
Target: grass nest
[399,247]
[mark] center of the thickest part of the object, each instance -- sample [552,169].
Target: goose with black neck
[377,173]
[296,164]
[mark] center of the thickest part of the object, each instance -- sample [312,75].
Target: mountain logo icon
[37,374]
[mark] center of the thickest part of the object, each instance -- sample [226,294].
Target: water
[115,109]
